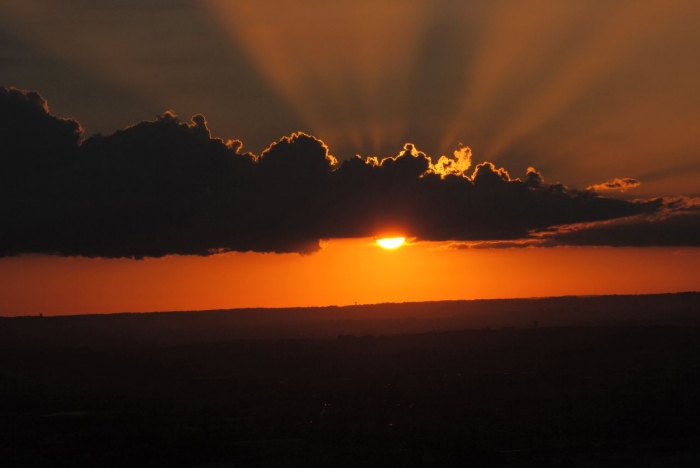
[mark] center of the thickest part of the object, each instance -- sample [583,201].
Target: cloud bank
[168,187]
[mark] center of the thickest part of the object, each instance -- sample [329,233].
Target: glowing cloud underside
[391,242]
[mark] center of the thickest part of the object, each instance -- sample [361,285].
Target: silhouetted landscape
[568,381]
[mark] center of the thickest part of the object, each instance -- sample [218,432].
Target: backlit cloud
[616,185]
[169,187]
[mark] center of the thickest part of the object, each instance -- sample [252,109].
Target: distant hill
[166,328]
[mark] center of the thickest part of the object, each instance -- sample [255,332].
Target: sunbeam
[582,90]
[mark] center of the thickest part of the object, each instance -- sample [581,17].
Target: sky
[176,155]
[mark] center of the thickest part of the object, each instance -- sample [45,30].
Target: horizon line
[334,306]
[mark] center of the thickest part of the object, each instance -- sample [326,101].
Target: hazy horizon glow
[343,273]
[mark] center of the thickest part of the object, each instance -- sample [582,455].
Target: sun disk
[391,242]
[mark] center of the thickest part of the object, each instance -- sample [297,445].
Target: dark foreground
[586,395]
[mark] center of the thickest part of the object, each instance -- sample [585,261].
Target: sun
[391,242]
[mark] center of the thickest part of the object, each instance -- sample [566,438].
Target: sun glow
[391,242]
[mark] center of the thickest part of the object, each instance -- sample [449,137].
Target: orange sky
[344,272]
[585,92]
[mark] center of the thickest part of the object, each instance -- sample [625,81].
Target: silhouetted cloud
[26,126]
[168,187]
[676,224]
[32,142]
[518,244]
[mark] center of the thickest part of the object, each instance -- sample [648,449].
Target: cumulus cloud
[169,187]
[457,165]
[32,141]
[27,126]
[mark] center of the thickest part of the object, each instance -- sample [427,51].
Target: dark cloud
[168,187]
[27,127]
[33,143]
[518,244]
[676,224]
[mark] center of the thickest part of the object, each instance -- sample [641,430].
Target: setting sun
[391,242]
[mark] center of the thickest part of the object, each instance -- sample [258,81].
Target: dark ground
[607,389]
